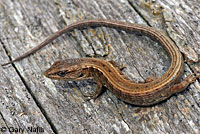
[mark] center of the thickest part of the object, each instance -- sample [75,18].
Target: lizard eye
[61,73]
[81,75]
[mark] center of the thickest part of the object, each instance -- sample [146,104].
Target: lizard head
[69,69]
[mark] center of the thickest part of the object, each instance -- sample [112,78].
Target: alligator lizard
[107,73]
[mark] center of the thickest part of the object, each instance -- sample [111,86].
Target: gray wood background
[28,99]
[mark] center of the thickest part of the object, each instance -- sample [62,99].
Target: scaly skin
[106,73]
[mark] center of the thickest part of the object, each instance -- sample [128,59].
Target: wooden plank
[19,111]
[59,106]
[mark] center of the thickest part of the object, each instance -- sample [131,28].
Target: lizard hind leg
[185,83]
[150,78]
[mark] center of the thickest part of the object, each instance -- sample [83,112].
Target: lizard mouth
[46,74]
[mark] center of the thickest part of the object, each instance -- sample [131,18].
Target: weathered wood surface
[28,99]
